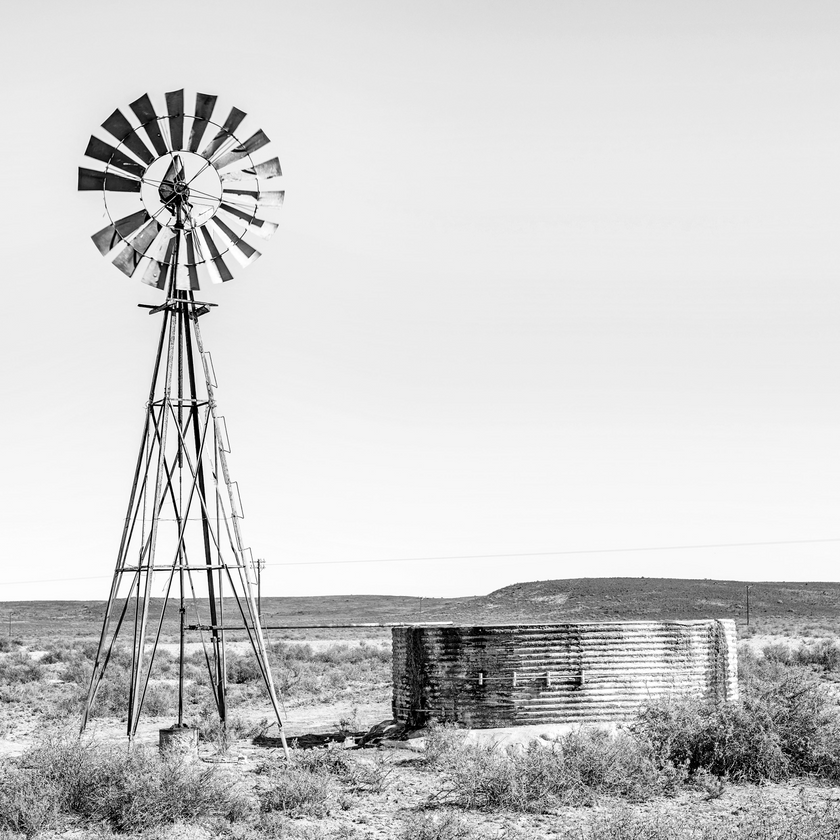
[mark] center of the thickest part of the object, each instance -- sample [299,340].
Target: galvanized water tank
[592,672]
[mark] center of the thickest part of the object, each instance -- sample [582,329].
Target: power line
[483,556]
[547,553]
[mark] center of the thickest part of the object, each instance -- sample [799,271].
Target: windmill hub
[181,184]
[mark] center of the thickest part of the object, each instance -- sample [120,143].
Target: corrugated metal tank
[515,675]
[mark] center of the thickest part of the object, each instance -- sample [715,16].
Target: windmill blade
[219,272]
[204,104]
[269,198]
[256,141]
[175,109]
[157,272]
[169,256]
[259,227]
[90,179]
[100,150]
[154,271]
[181,282]
[121,128]
[108,237]
[269,169]
[233,121]
[241,250]
[231,191]
[148,271]
[191,261]
[145,112]
[128,259]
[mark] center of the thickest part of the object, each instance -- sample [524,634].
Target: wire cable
[483,556]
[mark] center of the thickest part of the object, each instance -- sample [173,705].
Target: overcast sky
[555,276]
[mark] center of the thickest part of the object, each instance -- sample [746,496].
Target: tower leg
[181,476]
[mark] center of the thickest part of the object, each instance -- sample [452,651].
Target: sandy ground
[413,790]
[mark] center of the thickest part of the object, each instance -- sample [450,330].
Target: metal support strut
[182,500]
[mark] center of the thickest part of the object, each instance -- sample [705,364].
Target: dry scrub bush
[575,770]
[67,781]
[823,655]
[441,825]
[786,724]
[294,792]
[358,774]
[306,674]
[56,686]
[211,731]
[443,743]
[19,668]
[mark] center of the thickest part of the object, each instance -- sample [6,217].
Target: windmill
[185,199]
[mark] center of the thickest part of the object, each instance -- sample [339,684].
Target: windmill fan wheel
[182,193]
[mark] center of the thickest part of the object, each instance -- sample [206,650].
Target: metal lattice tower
[178,205]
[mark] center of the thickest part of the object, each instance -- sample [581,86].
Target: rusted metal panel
[509,675]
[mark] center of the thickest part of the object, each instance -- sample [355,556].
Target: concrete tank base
[532,674]
[179,740]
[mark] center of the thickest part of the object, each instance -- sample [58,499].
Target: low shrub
[211,731]
[83,782]
[359,774]
[786,724]
[725,740]
[574,770]
[19,667]
[443,743]
[439,825]
[242,668]
[824,655]
[27,806]
[160,699]
[294,792]
[326,760]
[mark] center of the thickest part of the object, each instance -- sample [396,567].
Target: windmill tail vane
[183,195]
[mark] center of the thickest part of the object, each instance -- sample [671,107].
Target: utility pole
[10,624]
[748,605]
[260,567]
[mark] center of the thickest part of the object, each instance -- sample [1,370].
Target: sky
[551,277]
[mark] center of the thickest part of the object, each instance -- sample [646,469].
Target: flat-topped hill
[773,606]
